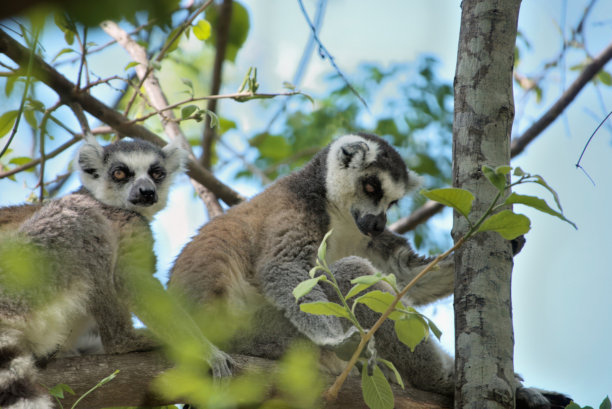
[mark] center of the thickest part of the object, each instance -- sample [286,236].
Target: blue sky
[562,280]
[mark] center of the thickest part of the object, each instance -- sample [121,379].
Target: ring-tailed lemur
[66,266]
[253,256]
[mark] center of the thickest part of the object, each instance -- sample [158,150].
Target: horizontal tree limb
[137,369]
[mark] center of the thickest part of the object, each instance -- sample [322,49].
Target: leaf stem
[332,393]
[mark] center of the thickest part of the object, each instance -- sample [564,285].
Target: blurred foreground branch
[137,370]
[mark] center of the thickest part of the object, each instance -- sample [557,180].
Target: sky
[562,280]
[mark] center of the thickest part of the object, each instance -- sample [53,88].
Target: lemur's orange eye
[119,174]
[369,188]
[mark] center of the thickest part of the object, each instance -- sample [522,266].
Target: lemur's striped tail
[18,387]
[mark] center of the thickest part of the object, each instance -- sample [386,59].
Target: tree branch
[518,144]
[138,369]
[65,89]
[420,215]
[222,29]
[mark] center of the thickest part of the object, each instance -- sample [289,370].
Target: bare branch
[35,162]
[222,29]
[65,89]
[138,369]
[589,72]
[420,215]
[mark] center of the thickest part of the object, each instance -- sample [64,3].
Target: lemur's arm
[391,253]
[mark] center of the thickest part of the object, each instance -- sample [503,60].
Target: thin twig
[325,53]
[587,144]
[237,95]
[304,60]
[83,62]
[332,393]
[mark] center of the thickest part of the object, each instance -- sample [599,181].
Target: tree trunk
[484,111]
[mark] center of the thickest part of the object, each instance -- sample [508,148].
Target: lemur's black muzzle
[371,224]
[143,193]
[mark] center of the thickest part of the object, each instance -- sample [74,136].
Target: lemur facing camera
[253,256]
[63,265]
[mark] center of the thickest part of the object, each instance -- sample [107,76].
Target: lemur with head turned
[80,252]
[253,256]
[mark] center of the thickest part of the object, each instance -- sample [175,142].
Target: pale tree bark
[484,111]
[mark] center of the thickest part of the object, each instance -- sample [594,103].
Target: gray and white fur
[253,256]
[77,250]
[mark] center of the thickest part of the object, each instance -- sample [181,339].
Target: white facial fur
[341,180]
[171,158]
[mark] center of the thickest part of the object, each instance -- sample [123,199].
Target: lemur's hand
[517,244]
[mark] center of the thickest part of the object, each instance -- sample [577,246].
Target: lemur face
[132,175]
[366,176]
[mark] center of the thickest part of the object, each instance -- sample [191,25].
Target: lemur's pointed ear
[176,156]
[90,157]
[353,154]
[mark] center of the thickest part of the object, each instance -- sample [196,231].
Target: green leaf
[497,179]
[503,169]
[411,329]
[21,160]
[7,121]
[305,287]
[379,301]
[518,172]
[362,283]
[459,199]
[30,118]
[390,278]
[367,280]
[130,65]
[59,389]
[538,204]
[10,84]
[189,84]
[202,30]
[540,181]
[604,77]
[356,289]
[289,86]
[324,308]
[392,367]
[61,52]
[322,252]
[376,390]
[510,225]
[175,43]
[186,111]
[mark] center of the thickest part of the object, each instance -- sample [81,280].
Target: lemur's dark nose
[372,224]
[143,193]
